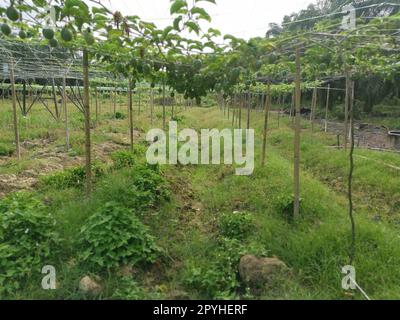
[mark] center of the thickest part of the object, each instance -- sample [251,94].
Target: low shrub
[5,150]
[127,158]
[114,236]
[236,225]
[217,278]
[27,240]
[70,178]
[139,187]
[119,116]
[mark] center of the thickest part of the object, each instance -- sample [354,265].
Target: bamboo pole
[164,111]
[327,107]
[313,108]
[297,137]
[248,109]
[346,111]
[267,105]
[240,110]
[97,104]
[14,106]
[64,100]
[152,105]
[130,112]
[86,102]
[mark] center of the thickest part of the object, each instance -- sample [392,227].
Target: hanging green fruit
[53,43]
[22,34]
[12,13]
[48,33]
[66,34]
[5,28]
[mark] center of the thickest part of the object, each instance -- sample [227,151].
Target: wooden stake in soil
[266,116]
[130,112]
[152,105]
[24,112]
[97,104]
[64,101]
[53,90]
[14,106]
[280,110]
[297,132]
[346,110]
[327,107]
[140,98]
[86,102]
[313,108]
[248,109]
[164,111]
[115,102]
[240,110]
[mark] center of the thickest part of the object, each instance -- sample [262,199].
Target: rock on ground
[88,285]
[257,272]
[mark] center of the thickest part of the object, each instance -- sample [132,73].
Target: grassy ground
[203,218]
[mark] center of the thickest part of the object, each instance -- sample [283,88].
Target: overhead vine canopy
[123,45]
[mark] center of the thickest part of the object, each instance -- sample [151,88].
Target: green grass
[202,240]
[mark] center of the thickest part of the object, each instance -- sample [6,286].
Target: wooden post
[152,105]
[115,102]
[64,101]
[130,112]
[53,90]
[111,99]
[280,109]
[240,110]
[293,107]
[172,108]
[164,111]
[327,107]
[248,109]
[346,110]
[24,98]
[313,108]
[14,106]
[88,143]
[140,98]
[228,105]
[297,137]
[233,116]
[97,104]
[267,104]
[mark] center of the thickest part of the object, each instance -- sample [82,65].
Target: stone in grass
[90,286]
[257,272]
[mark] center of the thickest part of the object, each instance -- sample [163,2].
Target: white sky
[241,18]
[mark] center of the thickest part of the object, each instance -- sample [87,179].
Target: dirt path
[46,158]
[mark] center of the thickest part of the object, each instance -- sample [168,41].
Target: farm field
[206,218]
[151,150]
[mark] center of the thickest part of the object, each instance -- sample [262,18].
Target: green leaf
[176,23]
[177,5]
[202,13]
[193,26]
